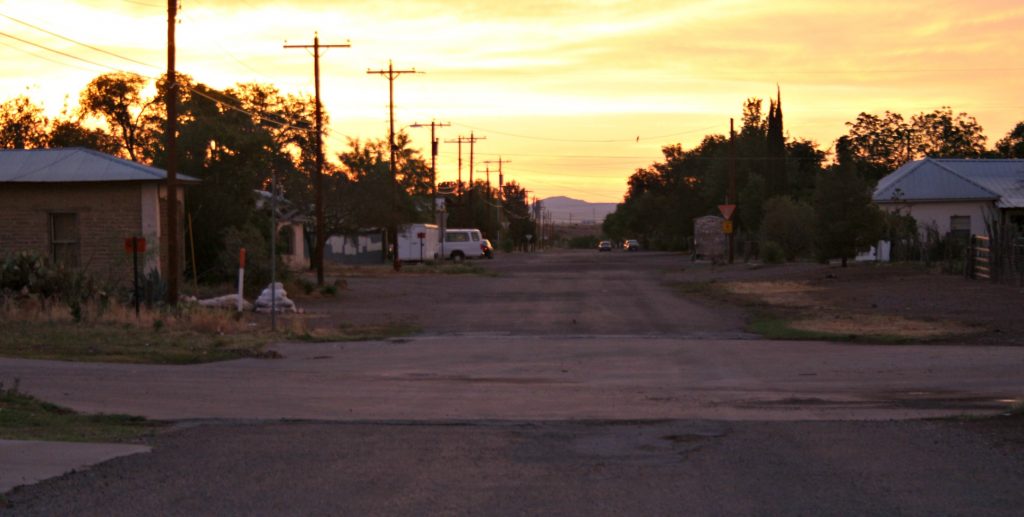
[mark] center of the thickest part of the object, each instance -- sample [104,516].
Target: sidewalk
[26,462]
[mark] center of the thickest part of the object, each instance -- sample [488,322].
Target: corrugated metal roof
[74,165]
[934,179]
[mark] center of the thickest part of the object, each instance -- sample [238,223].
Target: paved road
[576,384]
[491,377]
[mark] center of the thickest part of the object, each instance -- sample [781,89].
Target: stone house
[77,206]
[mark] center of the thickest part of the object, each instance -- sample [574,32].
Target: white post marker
[241,277]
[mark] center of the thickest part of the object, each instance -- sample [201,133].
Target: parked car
[604,246]
[488,249]
[463,243]
[631,245]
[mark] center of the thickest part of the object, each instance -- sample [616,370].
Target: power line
[65,38]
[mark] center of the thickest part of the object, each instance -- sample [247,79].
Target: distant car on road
[631,245]
[604,246]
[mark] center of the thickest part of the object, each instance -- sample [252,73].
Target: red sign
[139,247]
[727,210]
[422,235]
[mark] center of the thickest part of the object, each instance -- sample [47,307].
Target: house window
[960,226]
[64,244]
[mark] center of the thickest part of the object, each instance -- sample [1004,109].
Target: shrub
[789,224]
[772,253]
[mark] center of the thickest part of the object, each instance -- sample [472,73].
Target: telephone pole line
[393,74]
[501,184]
[171,100]
[471,140]
[318,192]
[433,151]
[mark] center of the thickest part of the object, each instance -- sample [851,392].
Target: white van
[463,243]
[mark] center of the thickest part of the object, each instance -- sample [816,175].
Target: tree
[117,99]
[846,220]
[516,208]
[22,124]
[880,144]
[789,224]
[775,150]
[1012,145]
[941,135]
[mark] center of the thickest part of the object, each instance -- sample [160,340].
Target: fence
[996,261]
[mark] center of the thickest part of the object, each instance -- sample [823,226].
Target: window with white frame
[960,226]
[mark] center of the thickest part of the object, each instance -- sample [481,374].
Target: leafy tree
[804,162]
[22,124]
[750,209]
[940,134]
[516,208]
[880,144]
[789,224]
[117,99]
[846,220]
[1012,145]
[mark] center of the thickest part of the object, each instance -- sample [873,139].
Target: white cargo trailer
[419,243]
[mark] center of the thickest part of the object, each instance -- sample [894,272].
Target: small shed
[78,206]
[709,241]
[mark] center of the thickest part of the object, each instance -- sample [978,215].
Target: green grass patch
[349,332]
[774,326]
[23,417]
[124,343]
[447,267]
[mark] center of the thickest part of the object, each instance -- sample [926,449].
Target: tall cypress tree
[776,181]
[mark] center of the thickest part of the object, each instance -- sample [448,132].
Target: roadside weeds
[23,417]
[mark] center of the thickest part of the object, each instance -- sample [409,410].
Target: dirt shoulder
[891,300]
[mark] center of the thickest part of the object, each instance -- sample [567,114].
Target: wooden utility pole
[501,185]
[393,74]
[732,187]
[171,101]
[318,191]
[433,152]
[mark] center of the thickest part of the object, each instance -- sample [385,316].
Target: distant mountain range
[568,210]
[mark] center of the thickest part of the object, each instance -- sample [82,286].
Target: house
[956,196]
[77,206]
[364,247]
[291,231]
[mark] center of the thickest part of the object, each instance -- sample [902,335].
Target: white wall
[937,214]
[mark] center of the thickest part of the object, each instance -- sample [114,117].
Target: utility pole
[393,74]
[458,186]
[433,156]
[471,140]
[318,191]
[732,187]
[171,102]
[500,162]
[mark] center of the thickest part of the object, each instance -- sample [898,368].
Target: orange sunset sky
[562,88]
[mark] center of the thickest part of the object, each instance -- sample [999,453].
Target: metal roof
[74,165]
[933,179]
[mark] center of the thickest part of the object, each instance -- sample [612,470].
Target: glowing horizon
[562,88]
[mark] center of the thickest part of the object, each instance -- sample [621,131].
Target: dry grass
[800,310]
[880,325]
[31,329]
[787,294]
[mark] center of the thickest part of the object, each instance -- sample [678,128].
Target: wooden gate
[979,258]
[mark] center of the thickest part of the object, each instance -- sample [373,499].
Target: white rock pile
[282,304]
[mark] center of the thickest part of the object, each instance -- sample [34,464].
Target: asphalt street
[570,383]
